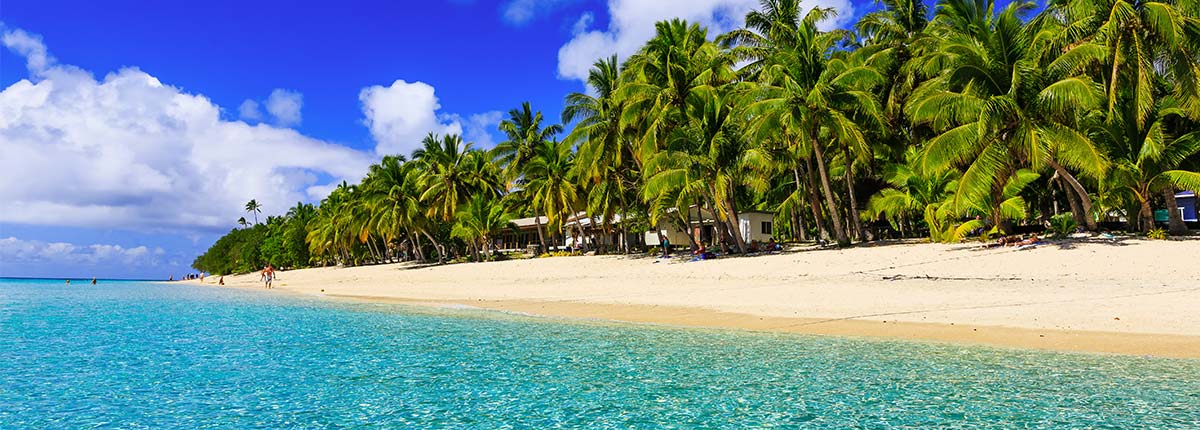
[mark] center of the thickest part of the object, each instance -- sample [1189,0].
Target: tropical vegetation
[941,121]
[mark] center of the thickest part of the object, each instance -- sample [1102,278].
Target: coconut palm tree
[996,109]
[480,220]
[1148,160]
[551,183]
[815,103]
[606,162]
[242,222]
[253,207]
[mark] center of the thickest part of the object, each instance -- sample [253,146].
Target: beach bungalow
[755,226]
[1185,202]
[524,235]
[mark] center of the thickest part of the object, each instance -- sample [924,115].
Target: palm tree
[605,160]
[550,182]
[479,221]
[242,222]
[807,97]
[253,207]
[913,194]
[524,132]
[1147,160]
[995,109]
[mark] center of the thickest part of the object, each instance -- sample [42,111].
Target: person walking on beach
[666,244]
[221,280]
[267,276]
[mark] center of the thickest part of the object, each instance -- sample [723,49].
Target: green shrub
[1157,234]
[1063,224]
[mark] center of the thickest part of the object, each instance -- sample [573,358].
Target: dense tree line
[919,121]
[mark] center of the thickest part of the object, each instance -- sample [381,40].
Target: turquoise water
[140,355]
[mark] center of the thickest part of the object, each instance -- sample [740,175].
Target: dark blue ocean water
[142,355]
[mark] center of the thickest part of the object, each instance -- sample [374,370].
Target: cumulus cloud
[248,111]
[401,114]
[284,106]
[631,24]
[477,128]
[17,251]
[130,151]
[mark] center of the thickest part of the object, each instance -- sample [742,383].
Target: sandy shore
[1126,296]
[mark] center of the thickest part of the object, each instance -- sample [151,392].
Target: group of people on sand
[1017,241]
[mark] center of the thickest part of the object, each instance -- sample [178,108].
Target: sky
[132,133]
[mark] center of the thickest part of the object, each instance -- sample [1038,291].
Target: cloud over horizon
[129,151]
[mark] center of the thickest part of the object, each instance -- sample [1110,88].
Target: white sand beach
[1126,296]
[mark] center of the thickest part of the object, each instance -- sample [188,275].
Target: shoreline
[1129,299]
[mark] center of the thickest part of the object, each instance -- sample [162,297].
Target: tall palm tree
[995,109]
[524,132]
[605,160]
[807,97]
[550,181]
[253,207]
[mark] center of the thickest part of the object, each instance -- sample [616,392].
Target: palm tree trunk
[416,241]
[842,239]
[854,218]
[814,202]
[735,225]
[798,220]
[537,221]
[441,250]
[1174,218]
[1085,201]
[1146,215]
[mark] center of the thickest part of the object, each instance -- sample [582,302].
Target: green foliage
[1063,224]
[948,125]
[1157,234]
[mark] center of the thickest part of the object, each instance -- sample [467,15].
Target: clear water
[140,355]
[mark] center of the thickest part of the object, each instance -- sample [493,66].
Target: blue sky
[138,129]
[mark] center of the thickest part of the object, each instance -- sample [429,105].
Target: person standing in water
[93,281]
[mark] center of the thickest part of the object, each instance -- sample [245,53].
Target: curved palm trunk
[1146,215]
[838,231]
[537,221]
[1085,201]
[814,202]
[735,226]
[854,218]
[1174,219]
[441,250]
[799,231]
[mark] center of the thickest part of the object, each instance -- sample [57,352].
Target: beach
[1124,296]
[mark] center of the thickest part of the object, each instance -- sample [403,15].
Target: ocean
[147,355]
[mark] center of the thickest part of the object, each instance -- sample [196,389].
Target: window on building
[766,227]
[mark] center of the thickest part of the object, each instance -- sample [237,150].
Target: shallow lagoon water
[144,355]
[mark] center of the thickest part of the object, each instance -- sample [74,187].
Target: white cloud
[14,250]
[401,114]
[477,128]
[129,151]
[248,111]
[520,12]
[285,105]
[29,46]
[631,24]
